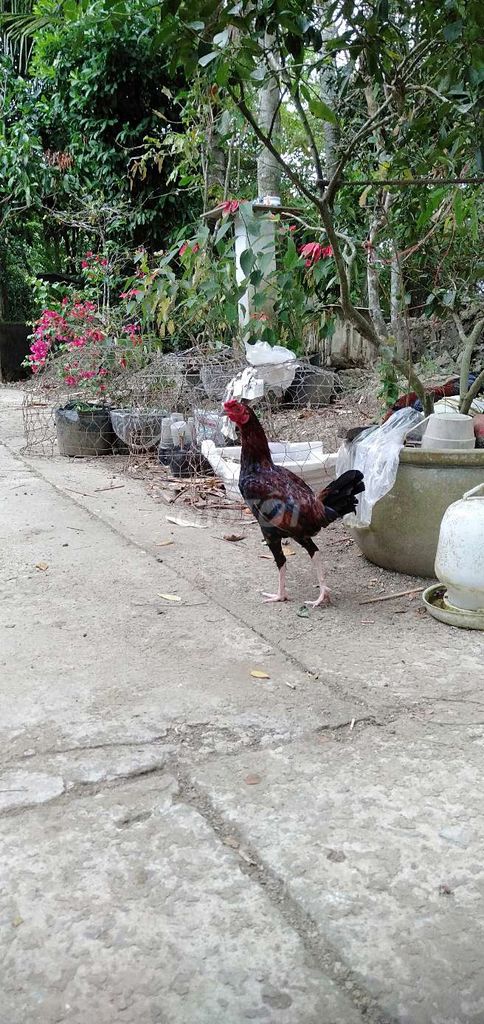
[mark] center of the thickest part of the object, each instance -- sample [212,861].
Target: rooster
[283,504]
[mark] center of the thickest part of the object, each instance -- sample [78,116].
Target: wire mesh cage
[166,421]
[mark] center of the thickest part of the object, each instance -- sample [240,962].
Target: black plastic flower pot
[84,434]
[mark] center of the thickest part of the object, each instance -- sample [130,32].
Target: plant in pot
[89,342]
[72,338]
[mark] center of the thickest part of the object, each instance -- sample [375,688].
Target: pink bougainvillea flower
[230,206]
[123,362]
[312,252]
[183,248]
[103,262]
[293,227]
[71,381]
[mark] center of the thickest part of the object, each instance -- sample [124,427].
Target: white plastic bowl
[304,458]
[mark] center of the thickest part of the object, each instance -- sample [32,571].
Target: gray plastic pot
[405,524]
[311,386]
[82,435]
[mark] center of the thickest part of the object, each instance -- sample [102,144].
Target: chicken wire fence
[165,425]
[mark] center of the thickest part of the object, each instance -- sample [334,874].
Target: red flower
[186,246]
[293,227]
[312,252]
[122,362]
[230,206]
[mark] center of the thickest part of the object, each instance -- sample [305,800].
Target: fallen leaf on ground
[234,537]
[231,841]
[288,552]
[170,597]
[445,890]
[252,780]
[257,673]
[186,522]
[265,556]
[337,856]
[164,543]
[303,612]
[245,856]
[42,566]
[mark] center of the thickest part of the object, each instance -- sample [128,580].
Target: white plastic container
[452,432]
[306,459]
[450,405]
[459,562]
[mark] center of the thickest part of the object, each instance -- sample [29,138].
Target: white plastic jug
[459,562]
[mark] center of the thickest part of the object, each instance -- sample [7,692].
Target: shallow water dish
[435,601]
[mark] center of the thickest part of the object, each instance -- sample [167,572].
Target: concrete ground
[185,843]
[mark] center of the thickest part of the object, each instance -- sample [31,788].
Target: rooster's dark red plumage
[283,504]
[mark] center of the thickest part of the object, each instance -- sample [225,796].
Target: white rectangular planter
[304,458]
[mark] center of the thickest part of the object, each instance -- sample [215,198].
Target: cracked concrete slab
[126,907]
[100,655]
[377,836]
[64,771]
[321,861]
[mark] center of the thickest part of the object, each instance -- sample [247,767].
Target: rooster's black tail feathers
[339,497]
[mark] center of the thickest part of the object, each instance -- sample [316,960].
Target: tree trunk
[328,89]
[372,276]
[268,168]
[215,161]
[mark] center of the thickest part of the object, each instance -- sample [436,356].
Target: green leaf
[459,208]
[432,205]
[321,110]
[453,30]
[208,58]
[222,230]
[247,261]
[222,38]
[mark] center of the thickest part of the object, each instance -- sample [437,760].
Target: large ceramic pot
[405,524]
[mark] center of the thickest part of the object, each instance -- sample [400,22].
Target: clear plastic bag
[209,425]
[375,452]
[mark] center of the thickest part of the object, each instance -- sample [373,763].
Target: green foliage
[390,387]
[102,93]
